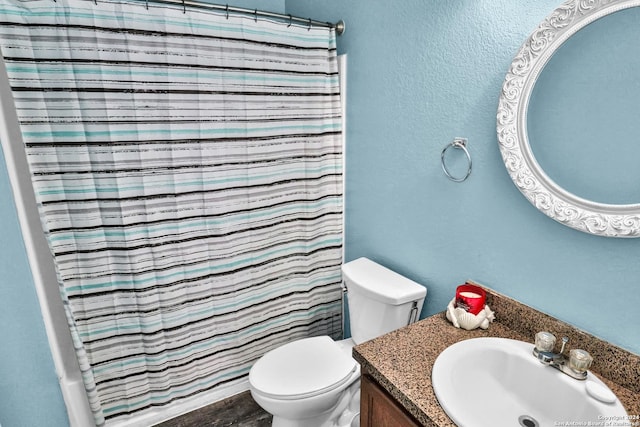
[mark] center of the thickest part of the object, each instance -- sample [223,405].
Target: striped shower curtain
[187,167]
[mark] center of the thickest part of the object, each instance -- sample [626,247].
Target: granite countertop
[401,361]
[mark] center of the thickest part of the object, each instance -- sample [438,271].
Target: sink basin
[493,382]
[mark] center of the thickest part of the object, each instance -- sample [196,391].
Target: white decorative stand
[465,320]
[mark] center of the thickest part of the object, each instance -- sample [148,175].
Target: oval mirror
[567,204]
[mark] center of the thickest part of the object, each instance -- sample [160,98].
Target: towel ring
[460,144]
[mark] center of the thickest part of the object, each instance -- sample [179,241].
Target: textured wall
[29,390]
[421,73]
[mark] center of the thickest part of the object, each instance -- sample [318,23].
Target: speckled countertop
[401,361]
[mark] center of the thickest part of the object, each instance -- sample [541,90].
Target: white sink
[494,382]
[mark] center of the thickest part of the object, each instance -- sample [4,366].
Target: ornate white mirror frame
[585,215]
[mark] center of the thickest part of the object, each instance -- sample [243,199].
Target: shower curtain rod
[338,26]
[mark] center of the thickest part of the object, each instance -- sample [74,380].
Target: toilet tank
[380,300]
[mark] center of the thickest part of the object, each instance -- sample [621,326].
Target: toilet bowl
[314,382]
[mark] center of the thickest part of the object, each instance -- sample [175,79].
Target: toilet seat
[302,369]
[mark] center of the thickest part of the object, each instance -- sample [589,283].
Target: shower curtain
[188,170]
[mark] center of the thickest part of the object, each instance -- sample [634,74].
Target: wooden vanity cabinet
[379,409]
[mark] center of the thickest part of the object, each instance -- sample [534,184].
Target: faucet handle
[545,341]
[580,360]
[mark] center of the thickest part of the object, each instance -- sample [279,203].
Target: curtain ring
[460,144]
[309,28]
[227,9]
[290,21]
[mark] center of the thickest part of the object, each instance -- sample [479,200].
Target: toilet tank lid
[380,283]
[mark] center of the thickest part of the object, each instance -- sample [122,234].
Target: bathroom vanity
[396,367]
[379,408]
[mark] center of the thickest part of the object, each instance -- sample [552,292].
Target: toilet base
[346,413]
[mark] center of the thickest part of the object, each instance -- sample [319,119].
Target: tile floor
[239,410]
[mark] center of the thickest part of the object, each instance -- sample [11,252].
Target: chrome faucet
[576,365]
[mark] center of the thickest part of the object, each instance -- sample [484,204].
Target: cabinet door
[379,409]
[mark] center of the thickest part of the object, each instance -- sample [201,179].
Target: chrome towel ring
[460,144]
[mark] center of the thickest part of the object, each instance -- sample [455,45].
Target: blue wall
[422,72]
[29,391]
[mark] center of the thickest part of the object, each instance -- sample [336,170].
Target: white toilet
[314,382]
